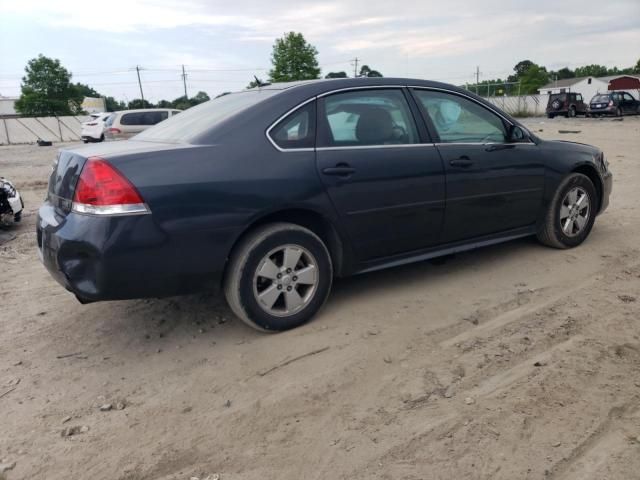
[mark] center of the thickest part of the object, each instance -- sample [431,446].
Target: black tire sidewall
[583,182]
[250,305]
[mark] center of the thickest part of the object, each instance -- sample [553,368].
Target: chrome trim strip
[111,210]
[367,87]
[373,87]
[268,131]
[368,147]
[442,144]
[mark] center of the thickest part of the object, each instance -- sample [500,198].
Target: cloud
[421,38]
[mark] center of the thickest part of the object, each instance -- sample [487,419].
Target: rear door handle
[339,170]
[463,162]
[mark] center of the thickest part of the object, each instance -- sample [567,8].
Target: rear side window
[367,118]
[144,118]
[460,120]
[296,130]
[151,118]
[132,118]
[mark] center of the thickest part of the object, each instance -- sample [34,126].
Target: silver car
[127,123]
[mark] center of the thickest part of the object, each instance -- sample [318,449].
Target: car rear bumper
[602,111]
[121,257]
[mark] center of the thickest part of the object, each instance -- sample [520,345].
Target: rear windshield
[600,98]
[109,121]
[560,96]
[197,120]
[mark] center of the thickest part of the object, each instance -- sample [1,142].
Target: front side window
[296,130]
[367,118]
[459,120]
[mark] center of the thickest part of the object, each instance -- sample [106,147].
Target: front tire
[571,213]
[278,277]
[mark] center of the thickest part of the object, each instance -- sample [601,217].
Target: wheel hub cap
[575,211]
[285,280]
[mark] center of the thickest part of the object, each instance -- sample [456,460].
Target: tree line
[47,89]
[529,77]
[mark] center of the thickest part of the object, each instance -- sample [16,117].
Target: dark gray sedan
[273,192]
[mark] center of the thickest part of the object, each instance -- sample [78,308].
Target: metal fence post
[6,130]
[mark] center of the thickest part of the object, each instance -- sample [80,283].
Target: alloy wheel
[285,280]
[575,211]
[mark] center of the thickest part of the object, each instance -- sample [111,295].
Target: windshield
[600,99]
[197,120]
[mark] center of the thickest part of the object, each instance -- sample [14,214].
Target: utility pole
[184,81]
[477,78]
[355,67]
[140,84]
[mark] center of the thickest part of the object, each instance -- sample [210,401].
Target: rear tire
[618,112]
[568,220]
[261,285]
[571,113]
[550,115]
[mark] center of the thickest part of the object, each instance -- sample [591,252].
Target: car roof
[135,110]
[327,84]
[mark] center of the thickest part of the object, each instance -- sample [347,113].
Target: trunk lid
[69,163]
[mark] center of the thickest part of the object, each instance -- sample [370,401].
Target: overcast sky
[223,44]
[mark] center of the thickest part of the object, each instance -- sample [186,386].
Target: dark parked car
[614,103]
[567,104]
[273,192]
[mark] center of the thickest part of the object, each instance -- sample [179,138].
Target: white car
[11,205]
[93,130]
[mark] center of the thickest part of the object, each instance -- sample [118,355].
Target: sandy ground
[511,362]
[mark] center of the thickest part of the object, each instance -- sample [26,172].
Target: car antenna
[260,83]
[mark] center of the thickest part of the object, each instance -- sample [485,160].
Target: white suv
[93,130]
[127,123]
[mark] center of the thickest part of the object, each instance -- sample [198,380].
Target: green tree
[591,71]
[46,89]
[533,78]
[293,59]
[365,71]
[114,105]
[636,69]
[520,68]
[565,72]
[139,103]
[200,97]
[336,75]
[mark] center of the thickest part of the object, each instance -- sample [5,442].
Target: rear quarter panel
[205,196]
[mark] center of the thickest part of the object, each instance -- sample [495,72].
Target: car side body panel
[203,196]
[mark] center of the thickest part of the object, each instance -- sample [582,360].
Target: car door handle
[499,146]
[340,170]
[463,162]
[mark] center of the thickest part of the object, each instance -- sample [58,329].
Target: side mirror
[517,134]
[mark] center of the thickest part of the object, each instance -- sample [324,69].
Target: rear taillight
[611,103]
[114,130]
[102,190]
